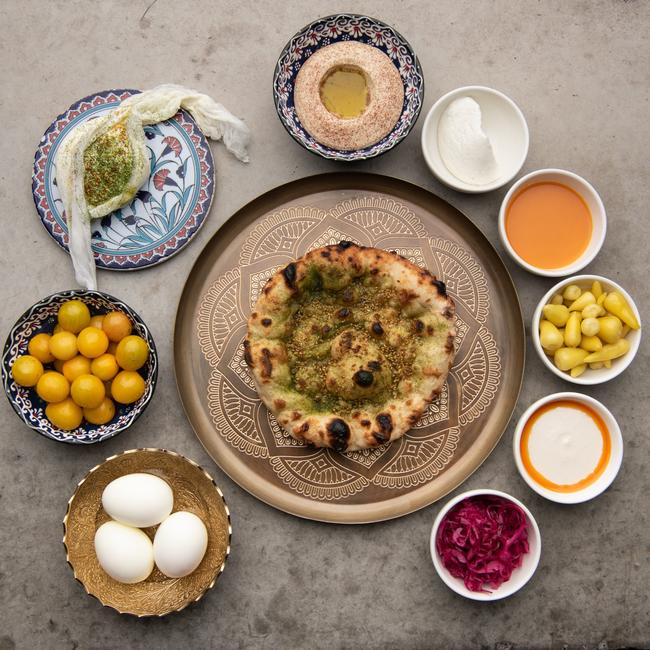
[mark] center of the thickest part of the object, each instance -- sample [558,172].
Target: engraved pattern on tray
[240,417]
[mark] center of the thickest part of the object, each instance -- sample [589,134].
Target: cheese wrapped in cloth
[103,163]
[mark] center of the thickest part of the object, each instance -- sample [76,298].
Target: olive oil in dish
[565,446]
[344,92]
[548,224]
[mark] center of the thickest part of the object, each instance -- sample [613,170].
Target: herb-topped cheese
[108,162]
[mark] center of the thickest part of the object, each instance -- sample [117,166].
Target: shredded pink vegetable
[482,540]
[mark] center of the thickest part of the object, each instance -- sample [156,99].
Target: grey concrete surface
[581,73]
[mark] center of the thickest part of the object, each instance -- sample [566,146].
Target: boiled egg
[125,553]
[138,499]
[180,544]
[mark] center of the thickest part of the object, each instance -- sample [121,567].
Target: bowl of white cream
[568,447]
[475,139]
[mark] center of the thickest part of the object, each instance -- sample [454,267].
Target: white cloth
[69,160]
[216,122]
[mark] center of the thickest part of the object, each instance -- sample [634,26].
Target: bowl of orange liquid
[568,447]
[552,222]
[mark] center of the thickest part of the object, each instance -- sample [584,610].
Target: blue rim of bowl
[378,148]
[29,407]
[179,237]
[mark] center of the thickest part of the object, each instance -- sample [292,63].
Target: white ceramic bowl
[520,576]
[589,377]
[502,121]
[615,458]
[593,201]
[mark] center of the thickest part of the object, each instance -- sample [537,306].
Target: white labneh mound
[464,147]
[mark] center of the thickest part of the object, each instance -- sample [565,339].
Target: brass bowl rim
[133,451]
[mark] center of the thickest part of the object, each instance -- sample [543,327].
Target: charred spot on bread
[380,437]
[385,423]
[449,344]
[363,378]
[339,434]
[440,285]
[413,418]
[289,273]
[247,353]
[377,329]
[267,322]
[267,365]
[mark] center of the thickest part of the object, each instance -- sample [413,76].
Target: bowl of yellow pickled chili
[586,329]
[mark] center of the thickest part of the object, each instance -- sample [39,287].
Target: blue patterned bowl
[347,27]
[42,317]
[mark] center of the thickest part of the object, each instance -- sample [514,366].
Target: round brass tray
[456,433]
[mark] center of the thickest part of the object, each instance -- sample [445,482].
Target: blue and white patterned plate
[348,27]
[30,408]
[167,211]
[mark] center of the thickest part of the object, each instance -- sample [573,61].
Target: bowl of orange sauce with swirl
[568,447]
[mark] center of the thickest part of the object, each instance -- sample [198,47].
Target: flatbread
[349,344]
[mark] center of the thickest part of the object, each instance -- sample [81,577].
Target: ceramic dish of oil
[347,27]
[568,447]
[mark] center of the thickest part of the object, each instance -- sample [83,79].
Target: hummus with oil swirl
[384,96]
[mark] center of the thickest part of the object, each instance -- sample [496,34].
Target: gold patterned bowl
[194,491]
